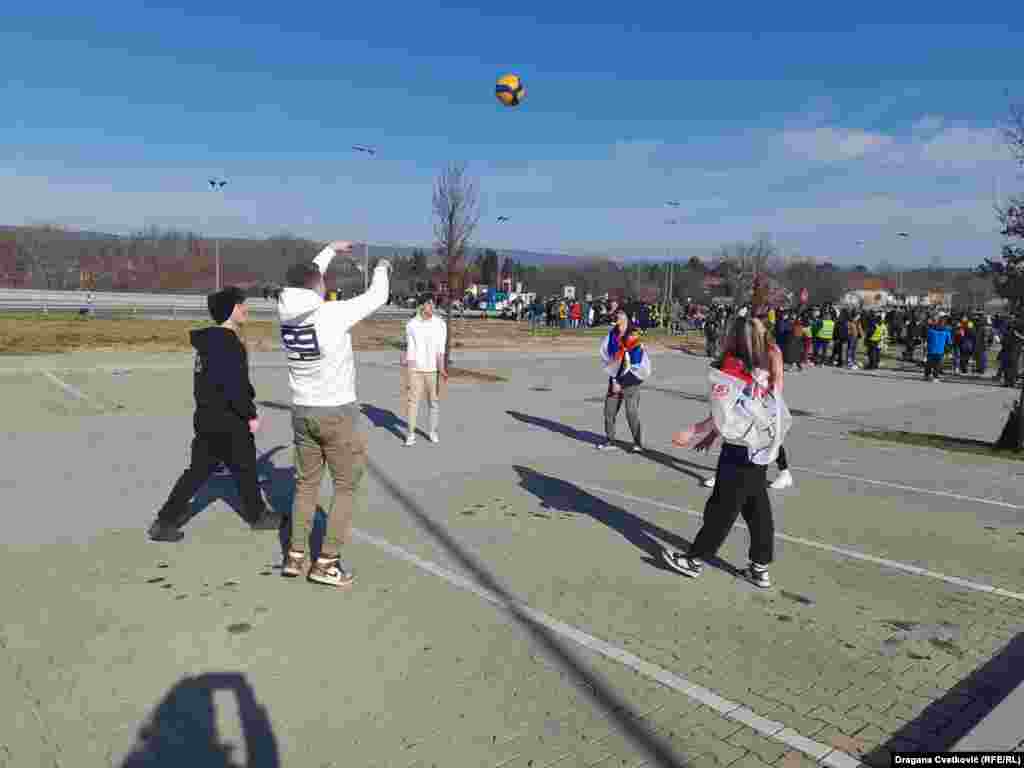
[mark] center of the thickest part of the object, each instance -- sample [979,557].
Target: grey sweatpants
[612,404]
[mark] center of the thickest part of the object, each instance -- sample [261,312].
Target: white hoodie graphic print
[316,339]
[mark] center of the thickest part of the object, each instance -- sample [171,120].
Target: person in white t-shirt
[325,414]
[425,337]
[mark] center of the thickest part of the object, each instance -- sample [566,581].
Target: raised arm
[348,313]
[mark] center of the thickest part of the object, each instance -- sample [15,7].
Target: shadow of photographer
[182,730]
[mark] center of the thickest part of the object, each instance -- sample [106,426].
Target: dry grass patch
[939,442]
[28,334]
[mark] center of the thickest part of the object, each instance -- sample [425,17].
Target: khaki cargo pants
[333,436]
[423,384]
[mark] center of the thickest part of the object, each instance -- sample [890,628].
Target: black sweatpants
[740,489]
[237,450]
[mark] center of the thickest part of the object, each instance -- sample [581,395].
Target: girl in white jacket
[752,423]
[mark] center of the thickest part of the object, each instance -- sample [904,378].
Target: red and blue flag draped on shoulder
[621,356]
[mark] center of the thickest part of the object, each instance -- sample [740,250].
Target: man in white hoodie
[325,414]
[425,337]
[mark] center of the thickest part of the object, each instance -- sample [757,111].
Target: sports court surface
[510,607]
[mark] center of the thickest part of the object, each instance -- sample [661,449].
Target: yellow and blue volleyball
[510,90]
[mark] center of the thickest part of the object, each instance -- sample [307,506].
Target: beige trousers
[423,384]
[333,437]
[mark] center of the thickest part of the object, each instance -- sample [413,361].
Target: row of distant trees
[51,257]
[154,259]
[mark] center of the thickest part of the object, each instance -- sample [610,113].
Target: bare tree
[823,282]
[1013,132]
[745,266]
[456,204]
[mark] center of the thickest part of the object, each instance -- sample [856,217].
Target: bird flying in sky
[364,148]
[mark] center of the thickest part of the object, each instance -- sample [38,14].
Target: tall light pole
[501,220]
[369,151]
[668,250]
[217,185]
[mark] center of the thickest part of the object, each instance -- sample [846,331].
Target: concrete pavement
[120,652]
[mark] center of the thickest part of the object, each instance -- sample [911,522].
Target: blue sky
[820,128]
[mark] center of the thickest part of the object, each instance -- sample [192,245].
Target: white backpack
[748,414]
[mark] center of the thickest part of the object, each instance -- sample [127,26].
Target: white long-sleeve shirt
[316,339]
[425,340]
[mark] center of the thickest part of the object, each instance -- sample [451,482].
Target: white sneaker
[710,482]
[410,440]
[434,437]
[784,480]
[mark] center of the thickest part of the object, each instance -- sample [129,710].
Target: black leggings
[740,489]
[782,461]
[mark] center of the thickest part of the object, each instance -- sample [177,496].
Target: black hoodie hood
[209,340]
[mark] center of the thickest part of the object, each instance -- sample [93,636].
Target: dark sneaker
[331,572]
[161,531]
[269,520]
[687,566]
[757,575]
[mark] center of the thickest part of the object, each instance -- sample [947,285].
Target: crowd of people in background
[568,313]
[820,335]
[959,342]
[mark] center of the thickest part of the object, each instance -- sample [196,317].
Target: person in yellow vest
[823,327]
[878,335]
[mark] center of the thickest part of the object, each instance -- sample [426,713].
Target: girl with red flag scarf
[628,365]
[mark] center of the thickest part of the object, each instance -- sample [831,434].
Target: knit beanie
[222,303]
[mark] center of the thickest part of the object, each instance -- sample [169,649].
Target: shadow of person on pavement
[182,730]
[688,468]
[649,538]
[696,471]
[584,436]
[384,419]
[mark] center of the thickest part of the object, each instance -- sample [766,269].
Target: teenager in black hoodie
[225,420]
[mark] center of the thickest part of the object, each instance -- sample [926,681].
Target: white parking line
[914,489]
[853,554]
[822,753]
[73,391]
